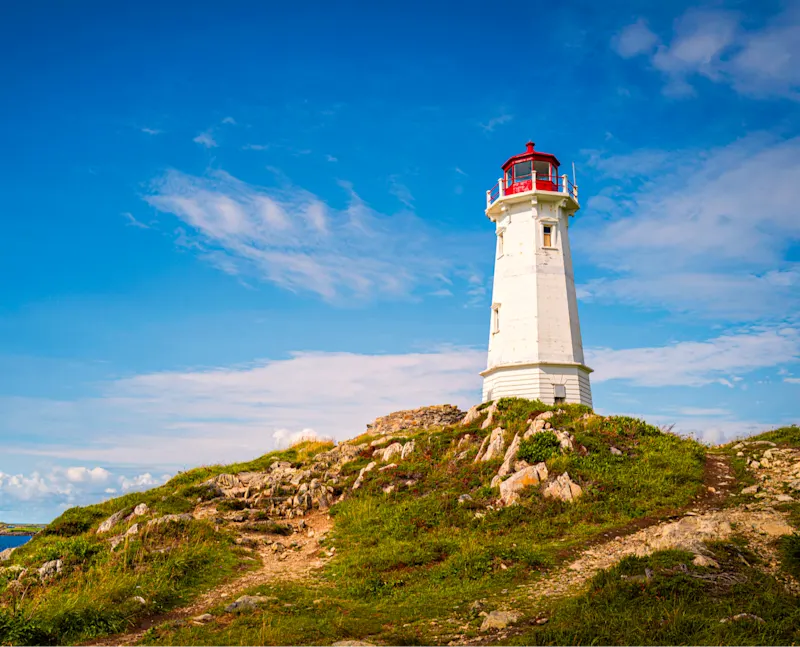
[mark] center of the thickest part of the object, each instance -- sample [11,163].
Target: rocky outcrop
[563,489]
[51,568]
[364,470]
[5,555]
[169,518]
[514,484]
[492,446]
[491,411]
[414,419]
[112,521]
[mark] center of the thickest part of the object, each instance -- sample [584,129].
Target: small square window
[499,244]
[548,235]
[495,319]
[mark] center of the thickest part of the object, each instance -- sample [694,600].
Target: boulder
[51,568]
[408,449]
[386,454]
[690,534]
[499,620]
[203,618]
[472,415]
[140,510]
[360,478]
[169,518]
[510,456]
[133,530]
[511,487]
[563,488]
[112,521]
[750,490]
[616,451]
[5,555]
[489,416]
[248,602]
[495,446]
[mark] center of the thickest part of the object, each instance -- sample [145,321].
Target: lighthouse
[535,348]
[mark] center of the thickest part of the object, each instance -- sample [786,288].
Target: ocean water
[7,541]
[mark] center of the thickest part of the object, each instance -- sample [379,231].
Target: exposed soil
[288,564]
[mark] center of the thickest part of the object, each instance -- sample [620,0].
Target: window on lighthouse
[495,319]
[522,171]
[499,244]
[548,235]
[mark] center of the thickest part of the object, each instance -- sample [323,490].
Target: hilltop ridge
[434,526]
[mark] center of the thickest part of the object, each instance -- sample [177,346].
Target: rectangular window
[548,235]
[499,244]
[542,170]
[495,319]
[522,171]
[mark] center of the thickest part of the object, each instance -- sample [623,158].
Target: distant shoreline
[26,533]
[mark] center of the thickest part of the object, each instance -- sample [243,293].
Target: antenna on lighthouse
[574,181]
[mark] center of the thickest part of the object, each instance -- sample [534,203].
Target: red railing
[543,183]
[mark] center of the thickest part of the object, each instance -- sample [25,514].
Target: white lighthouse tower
[535,348]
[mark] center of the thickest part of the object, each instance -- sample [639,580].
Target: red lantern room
[531,171]
[520,171]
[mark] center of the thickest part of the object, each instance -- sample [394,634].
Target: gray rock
[133,530]
[472,415]
[563,488]
[490,412]
[750,490]
[494,448]
[139,599]
[510,456]
[408,449]
[364,470]
[140,510]
[112,521]
[248,602]
[169,518]
[395,449]
[51,568]
[203,618]
[464,498]
[750,617]
[511,487]
[706,562]
[616,451]
[5,555]
[499,620]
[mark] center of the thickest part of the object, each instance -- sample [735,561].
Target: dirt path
[755,520]
[284,564]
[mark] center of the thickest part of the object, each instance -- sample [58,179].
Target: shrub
[74,521]
[539,447]
[202,492]
[228,505]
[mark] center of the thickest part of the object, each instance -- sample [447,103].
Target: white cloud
[152,131]
[133,222]
[792,380]
[635,39]
[690,363]
[229,120]
[84,474]
[141,482]
[715,44]
[227,414]
[292,238]
[494,122]
[287,438]
[692,237]
[206,139]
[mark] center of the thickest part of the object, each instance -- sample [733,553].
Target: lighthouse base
[550,383]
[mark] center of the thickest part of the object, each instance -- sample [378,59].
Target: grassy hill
[421,551]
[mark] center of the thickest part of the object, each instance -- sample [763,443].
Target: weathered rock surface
[386,454]
[563,488]
[169,518]
[422,418]
[51,568]
[247,602]
[492,447]
[491,411]
[5,555]
[499,620]
[364,470]
[511,487]
[112,521]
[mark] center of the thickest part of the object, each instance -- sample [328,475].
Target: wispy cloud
[229,121]
[152,131]
[206,139]
[292,238]
[494,122]
[133,222]
[691,238]
[697,363]
[716,45]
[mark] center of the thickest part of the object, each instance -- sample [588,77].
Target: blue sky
[226,226]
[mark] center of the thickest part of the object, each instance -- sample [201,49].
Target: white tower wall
[535,348]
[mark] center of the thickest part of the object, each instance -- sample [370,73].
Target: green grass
[416,555]
[674,607]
